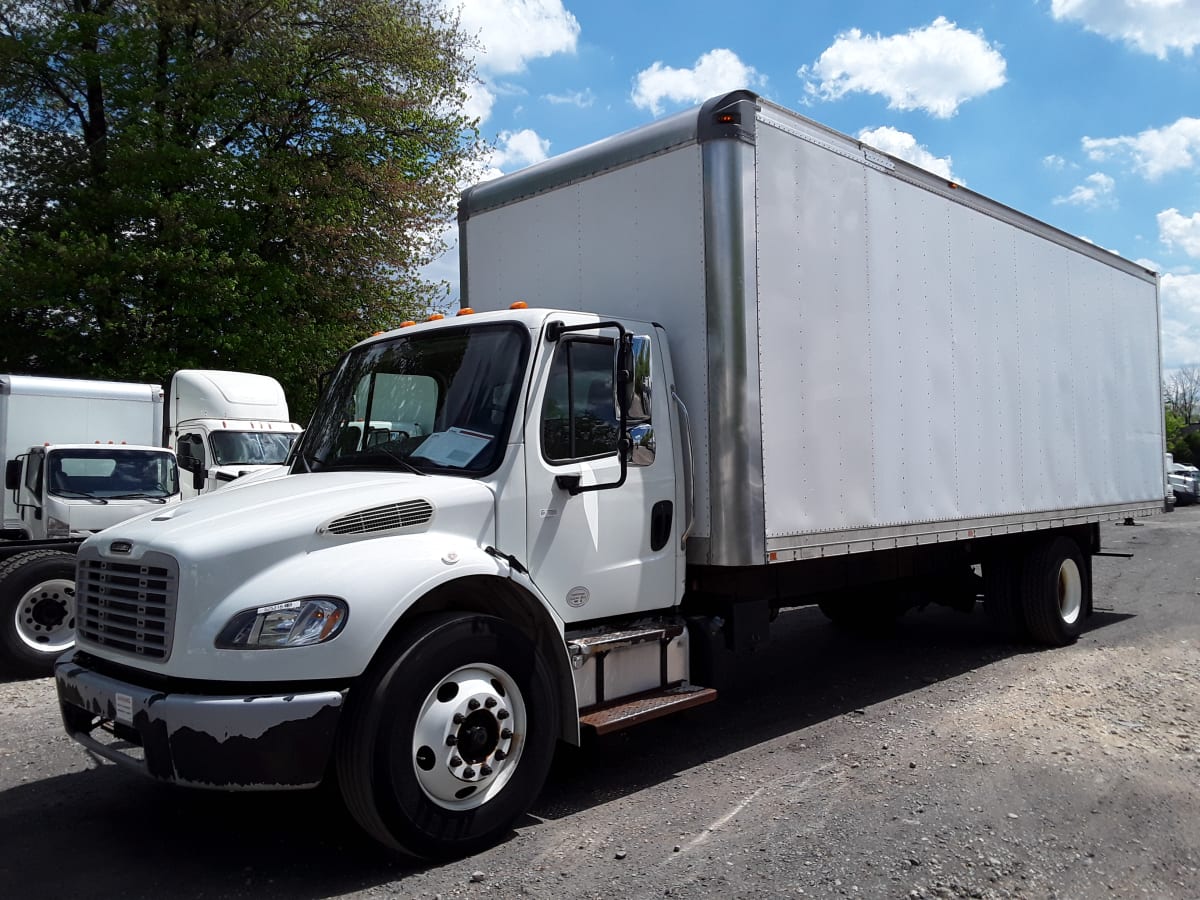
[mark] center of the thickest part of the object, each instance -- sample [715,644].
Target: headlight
[296,623]
[57,528]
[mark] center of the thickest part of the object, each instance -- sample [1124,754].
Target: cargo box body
[872,357]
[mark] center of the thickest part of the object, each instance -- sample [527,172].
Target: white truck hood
[286,513]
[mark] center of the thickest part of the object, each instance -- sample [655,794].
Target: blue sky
[1083,113]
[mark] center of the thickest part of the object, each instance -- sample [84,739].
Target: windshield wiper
[137,497]
[81,495]
[408,466]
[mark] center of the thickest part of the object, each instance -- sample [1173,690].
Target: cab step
[644,707]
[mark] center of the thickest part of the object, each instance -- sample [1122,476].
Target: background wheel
[37,610]
[1056,589]
[449,737]
[1002,594]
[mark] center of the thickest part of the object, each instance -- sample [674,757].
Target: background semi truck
[722,365]
[225,425]
[81,455]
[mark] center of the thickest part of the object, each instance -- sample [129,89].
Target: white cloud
[1152,26]
[517,149]
[512,32]
[905,146]
[716,72]
[1097,190]
[1180,295]
[936,68]
[1176,230]
[582,99]
[1055,162]
[1154,152]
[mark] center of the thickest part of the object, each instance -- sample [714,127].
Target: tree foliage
[245,184]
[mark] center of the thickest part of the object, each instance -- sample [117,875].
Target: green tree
[245,184]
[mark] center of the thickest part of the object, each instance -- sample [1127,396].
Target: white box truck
[733,362]
[79,456]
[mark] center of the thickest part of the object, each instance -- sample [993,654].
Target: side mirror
[12,474]
[625,383]
[198,478]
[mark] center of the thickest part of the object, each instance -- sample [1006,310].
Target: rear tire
[1056,591]
[1002,594]
[450,736]
[37,610]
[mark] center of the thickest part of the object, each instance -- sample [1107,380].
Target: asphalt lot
[935,761]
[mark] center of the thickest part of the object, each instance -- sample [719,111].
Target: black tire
[37,610]
[1055,591]
[1002,595]
[400,779]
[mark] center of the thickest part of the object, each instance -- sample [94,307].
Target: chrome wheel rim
[469,736]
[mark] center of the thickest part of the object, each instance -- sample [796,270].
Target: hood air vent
[393,517]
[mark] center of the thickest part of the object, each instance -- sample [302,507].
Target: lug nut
[459,718]
[485,770]
[505,733]
[456,761]
[499,755]
[451,740]
[502,715]
[472,704]
[489,702]
[468,773]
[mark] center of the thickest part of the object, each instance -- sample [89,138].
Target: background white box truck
[81,455]
[734,362]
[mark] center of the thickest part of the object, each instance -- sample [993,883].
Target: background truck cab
[226,424]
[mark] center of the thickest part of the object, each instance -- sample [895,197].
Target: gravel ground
[935,761]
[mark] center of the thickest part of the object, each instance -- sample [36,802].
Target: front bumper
[229,742]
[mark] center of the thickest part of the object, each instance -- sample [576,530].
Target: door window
[579,414]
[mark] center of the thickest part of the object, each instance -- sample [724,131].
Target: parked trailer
[734,362]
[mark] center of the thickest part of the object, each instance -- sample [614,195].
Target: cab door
[607,550]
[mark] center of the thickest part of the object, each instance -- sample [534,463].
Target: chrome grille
[409,514]
[128,607]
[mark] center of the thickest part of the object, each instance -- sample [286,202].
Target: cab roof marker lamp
[520,304]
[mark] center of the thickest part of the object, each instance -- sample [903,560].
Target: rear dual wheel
[450,737]
[1040,592]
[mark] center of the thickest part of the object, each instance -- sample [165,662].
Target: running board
[644,707]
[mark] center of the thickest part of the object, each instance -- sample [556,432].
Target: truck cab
[76,490]
[225,425]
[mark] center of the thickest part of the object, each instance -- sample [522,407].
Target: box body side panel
[925,361]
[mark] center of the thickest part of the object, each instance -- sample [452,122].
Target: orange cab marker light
[434,317]
[465,311]
[520,304]
[409,324]
[377,333]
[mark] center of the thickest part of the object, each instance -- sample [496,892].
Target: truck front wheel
[449,738]
[37,610]
[1055,591]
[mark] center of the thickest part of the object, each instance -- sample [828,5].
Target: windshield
[250,448]
[112,472]
[440,400]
